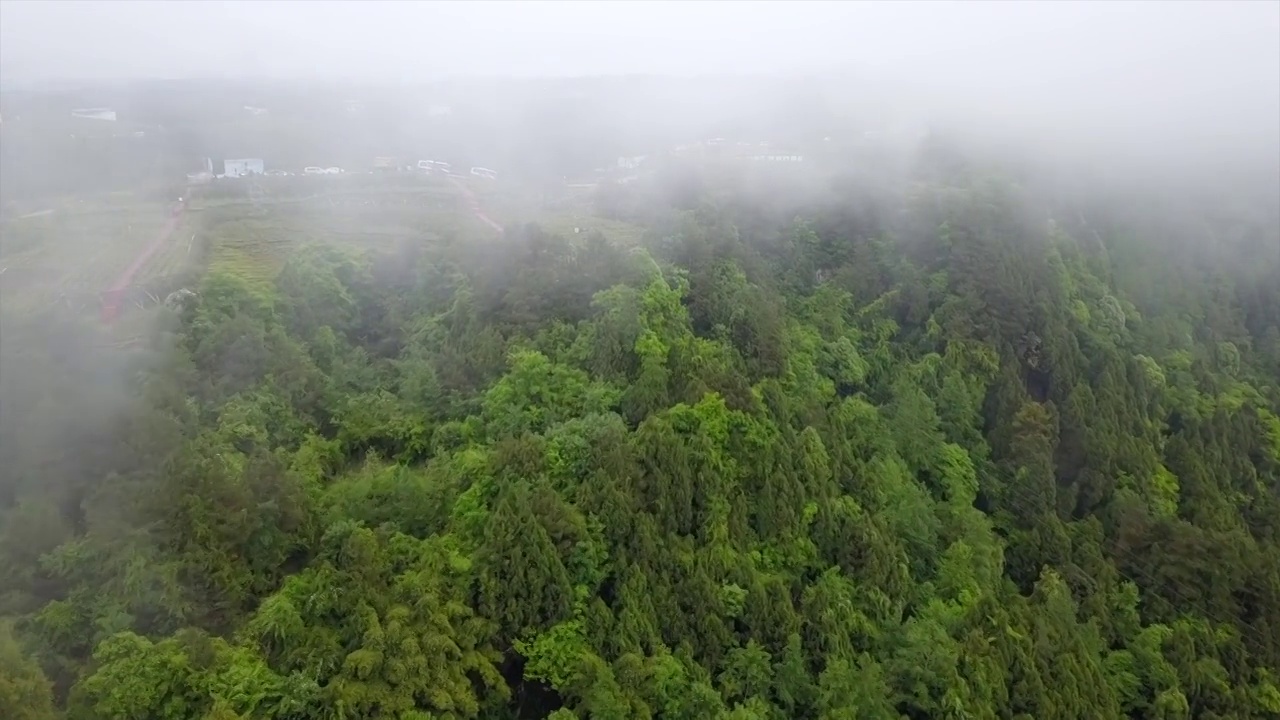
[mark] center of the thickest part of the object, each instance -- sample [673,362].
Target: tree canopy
[973,459]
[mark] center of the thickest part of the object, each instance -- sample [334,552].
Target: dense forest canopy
[960,443]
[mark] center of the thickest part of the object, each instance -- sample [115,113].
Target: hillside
[960,446]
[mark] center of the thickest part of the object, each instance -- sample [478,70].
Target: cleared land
[70,255]
[570,223]
[254,239]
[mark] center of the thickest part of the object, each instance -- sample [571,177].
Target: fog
[981,46]
[1109,99]
[1141,78]
[476,168]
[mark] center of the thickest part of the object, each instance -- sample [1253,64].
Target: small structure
[106,114]
[485,173]
[778,158]
[242,167]
[630,163]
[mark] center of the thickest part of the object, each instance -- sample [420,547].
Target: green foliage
[25,693]
[954,465]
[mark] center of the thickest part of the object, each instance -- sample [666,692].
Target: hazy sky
[1140,72]
[1019,42]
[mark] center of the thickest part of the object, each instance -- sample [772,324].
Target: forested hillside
[968,449]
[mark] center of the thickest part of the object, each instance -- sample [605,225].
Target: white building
[242,167]
[95,114]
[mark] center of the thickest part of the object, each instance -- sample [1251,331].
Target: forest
[974,447]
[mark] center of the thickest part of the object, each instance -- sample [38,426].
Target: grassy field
[253,242]
[571,223]
[71,252]
[556,209]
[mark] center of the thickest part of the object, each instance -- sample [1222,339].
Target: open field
[254,240]
[570,223]
[75,251]
[72,251]
[69,250]
[253,237]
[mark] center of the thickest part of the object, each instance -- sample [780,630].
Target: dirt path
[112,298]
[474,204]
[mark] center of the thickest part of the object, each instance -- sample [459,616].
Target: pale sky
[1146,72]
[1018,42]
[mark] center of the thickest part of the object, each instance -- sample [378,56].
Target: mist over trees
[862,394]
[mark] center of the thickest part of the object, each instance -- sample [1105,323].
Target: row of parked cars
[444,168]
[426,166]
[312,170]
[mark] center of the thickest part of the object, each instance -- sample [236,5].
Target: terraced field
[570,224]
[254,241]
[71,254]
